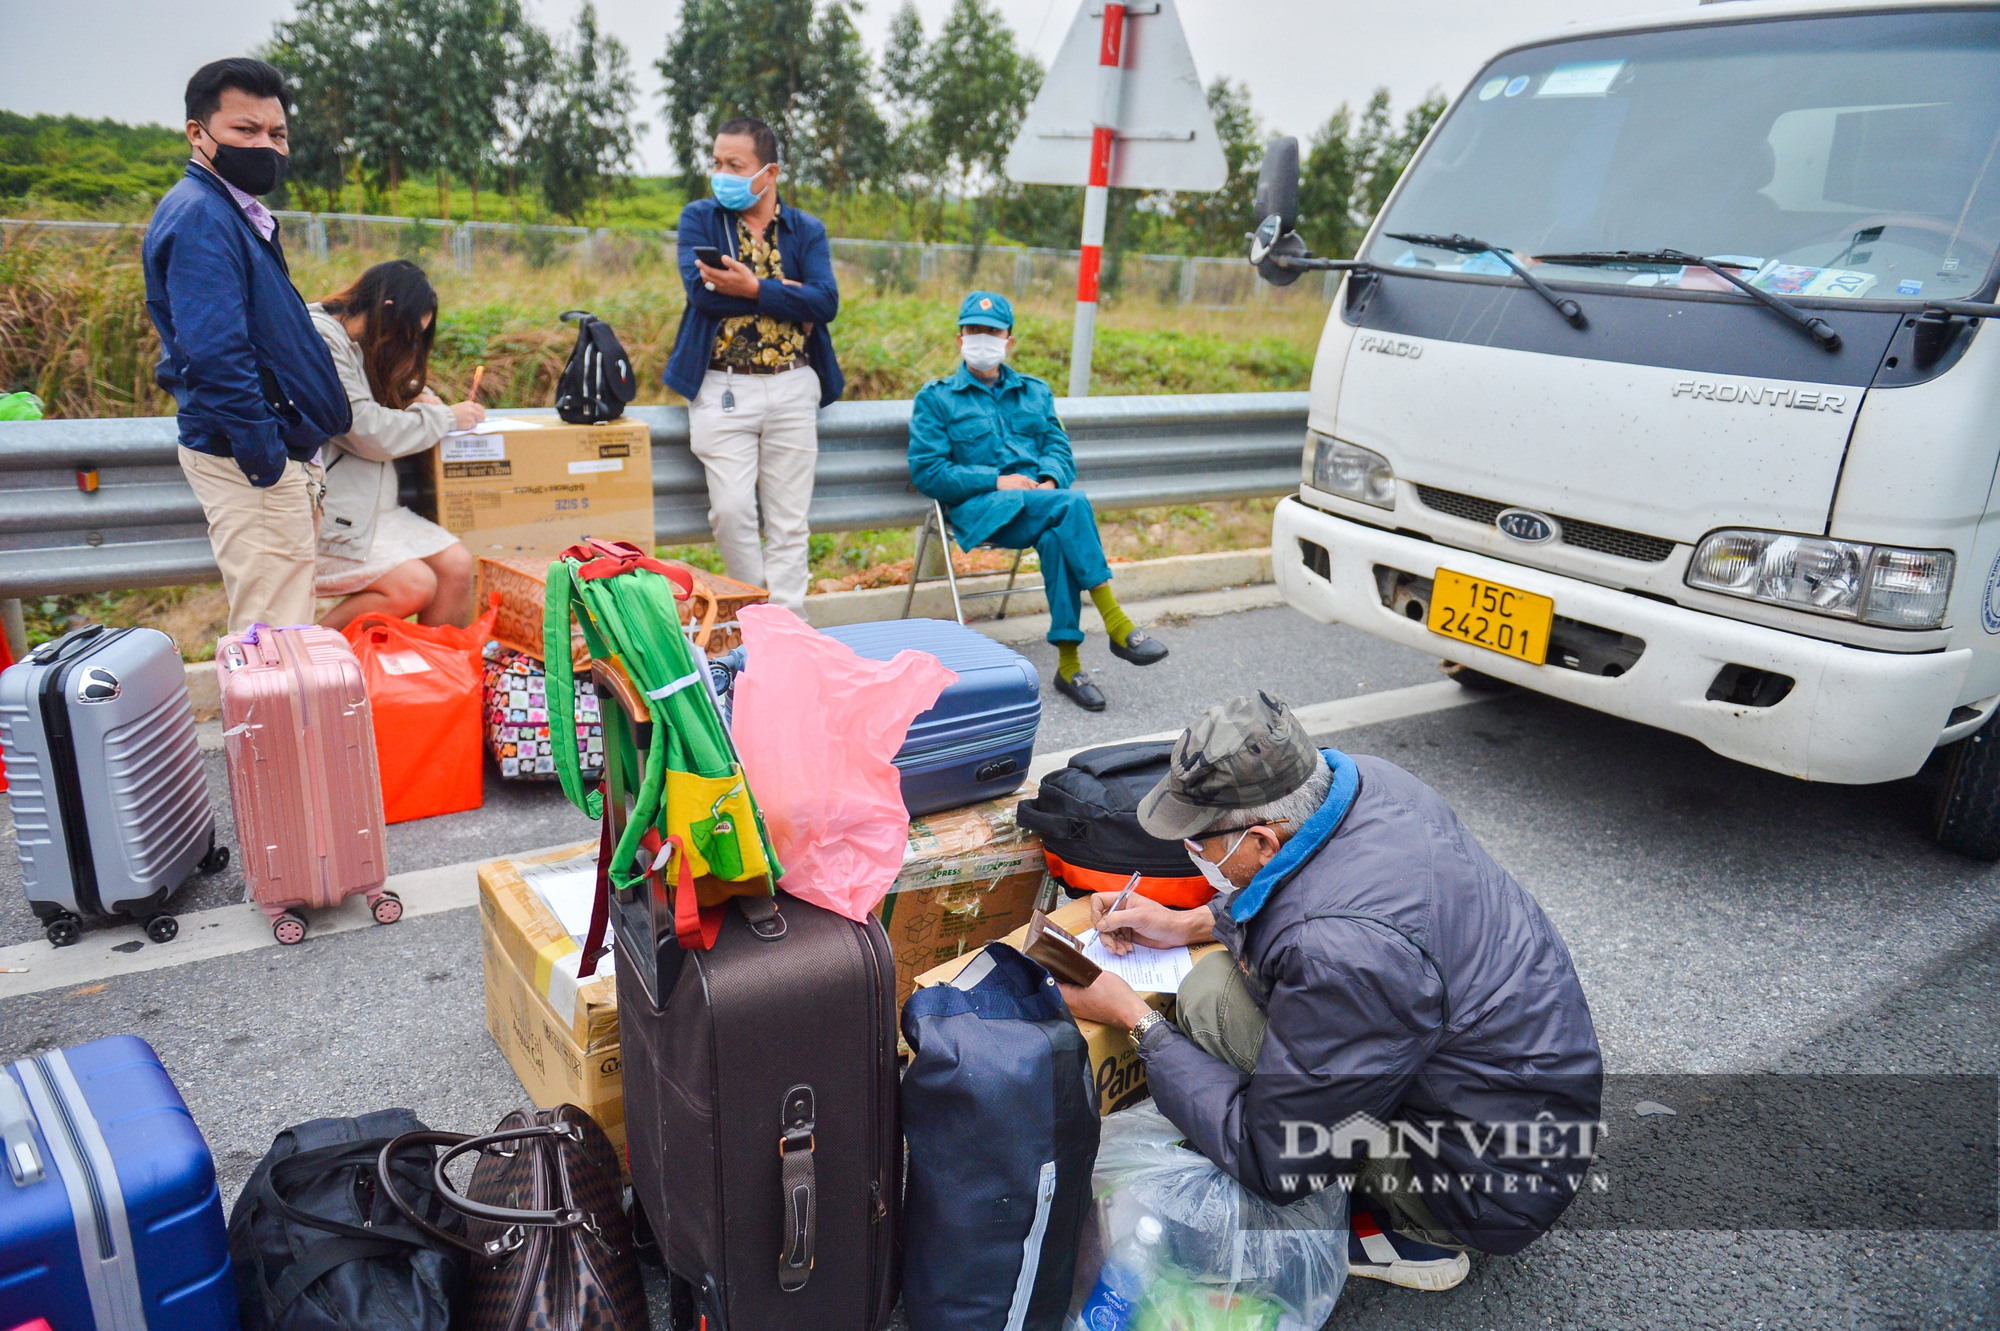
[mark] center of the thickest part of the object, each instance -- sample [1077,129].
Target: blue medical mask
[734,192]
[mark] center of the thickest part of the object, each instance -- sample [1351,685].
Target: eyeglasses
[1194,845]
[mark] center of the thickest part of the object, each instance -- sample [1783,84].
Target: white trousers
[760,455]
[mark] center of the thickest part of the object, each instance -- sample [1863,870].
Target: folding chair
[934,521]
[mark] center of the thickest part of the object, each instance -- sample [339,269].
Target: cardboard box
[559,1034]
[969,876]
[1115,1065]
[537,486]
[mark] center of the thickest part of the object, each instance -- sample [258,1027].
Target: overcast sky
[128,59]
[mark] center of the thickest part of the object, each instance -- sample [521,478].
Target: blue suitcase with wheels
[109,1215]
[976,743]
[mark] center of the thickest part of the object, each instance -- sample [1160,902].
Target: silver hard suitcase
[110,801]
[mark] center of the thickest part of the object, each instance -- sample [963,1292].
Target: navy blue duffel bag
[1001,1117]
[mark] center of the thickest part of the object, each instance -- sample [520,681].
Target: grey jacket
[360,471]
[1452,1006]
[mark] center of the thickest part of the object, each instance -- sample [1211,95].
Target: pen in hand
[477,375]
[1118,902]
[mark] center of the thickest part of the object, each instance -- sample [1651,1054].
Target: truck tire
[1967,818]
[1467,678]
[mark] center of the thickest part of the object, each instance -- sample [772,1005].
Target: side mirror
[1277,203]
[1278,184]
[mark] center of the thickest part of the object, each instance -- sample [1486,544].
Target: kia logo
[1526,526]
[96,685]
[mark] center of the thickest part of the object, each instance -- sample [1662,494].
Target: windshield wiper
[1817,328]
[1458,244]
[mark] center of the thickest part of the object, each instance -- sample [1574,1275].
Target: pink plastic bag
[817,727]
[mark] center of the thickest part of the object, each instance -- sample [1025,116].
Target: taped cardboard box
[533,485]
[1115,1065]
[559,1033]
[969,876]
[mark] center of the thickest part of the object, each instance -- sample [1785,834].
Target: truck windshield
[1840,156]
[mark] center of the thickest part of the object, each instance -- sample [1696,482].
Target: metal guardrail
[143,527]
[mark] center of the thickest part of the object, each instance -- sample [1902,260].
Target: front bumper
[1852,716]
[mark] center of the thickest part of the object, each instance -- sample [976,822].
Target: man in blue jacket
[256,386]
[986,443]
[1392,1014]
[754,359]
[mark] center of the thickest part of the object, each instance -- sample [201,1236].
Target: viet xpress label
[473,448]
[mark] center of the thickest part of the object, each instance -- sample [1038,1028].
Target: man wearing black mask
[257,388]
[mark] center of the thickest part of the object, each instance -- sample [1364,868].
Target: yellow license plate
[1487,614]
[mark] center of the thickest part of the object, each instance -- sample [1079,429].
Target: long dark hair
[393,298]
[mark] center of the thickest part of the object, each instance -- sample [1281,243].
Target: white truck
[1659,385]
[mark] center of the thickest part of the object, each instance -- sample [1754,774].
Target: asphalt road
[1722,920]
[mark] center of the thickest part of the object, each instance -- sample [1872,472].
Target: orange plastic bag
[423,685]
[817,728]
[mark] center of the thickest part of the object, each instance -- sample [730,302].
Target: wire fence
[883,266]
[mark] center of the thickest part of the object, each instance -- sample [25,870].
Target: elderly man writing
[987,445]
[1393,1013]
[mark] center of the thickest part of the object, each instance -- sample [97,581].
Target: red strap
[695,928]
[608,559]
[600,901]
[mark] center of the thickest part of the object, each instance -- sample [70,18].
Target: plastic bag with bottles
[1187,1248]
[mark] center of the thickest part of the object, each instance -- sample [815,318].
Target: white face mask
[1212,869]
[983,351]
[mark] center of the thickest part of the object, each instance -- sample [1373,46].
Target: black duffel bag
[317,1247]
[1087,815]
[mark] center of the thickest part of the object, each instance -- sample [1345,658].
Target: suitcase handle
[50,651]
[17,1129]
[459,1143]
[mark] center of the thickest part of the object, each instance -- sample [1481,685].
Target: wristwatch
[1146,1023]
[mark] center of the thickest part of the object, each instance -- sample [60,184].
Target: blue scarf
[1318,830]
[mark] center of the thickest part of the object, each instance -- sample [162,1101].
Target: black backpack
[1088,816]
[317,1247]
[598,380]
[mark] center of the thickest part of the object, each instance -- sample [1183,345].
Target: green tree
[1214,223]
[842,141]
[734,58]
[1350,167]
[581,136]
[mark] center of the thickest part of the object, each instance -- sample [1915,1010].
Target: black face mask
[252,170]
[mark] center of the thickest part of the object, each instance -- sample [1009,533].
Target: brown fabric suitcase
[770,1067]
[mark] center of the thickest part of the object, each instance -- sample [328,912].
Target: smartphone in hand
[708,254]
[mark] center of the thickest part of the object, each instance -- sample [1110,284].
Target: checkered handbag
[551,1244]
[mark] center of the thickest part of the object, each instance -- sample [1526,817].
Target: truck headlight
[1353,473]
[1875,584]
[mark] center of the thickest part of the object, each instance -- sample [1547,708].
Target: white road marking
[226,930]
[1321,718]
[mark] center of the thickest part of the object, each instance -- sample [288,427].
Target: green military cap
[987,309]
[1245,752]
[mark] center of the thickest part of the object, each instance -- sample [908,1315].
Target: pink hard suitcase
[300,742]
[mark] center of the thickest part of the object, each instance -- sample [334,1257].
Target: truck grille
[1584,535]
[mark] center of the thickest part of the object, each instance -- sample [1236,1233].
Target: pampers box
[532,485]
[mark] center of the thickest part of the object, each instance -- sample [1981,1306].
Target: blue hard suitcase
[109,1215]
[977,742]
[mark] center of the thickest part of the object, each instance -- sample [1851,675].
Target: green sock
[1068,664]
[1117,624]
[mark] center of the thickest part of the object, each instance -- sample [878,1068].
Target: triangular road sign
[1166,136]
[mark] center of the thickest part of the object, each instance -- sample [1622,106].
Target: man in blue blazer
[754,359]
[255,384]
[986,443]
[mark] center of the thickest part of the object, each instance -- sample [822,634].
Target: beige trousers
[265,541]
[760,456]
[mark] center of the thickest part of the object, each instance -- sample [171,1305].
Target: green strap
[559,682]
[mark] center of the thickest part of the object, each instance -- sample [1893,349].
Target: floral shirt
[746,340]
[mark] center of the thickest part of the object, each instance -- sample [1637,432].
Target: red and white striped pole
[1096,197]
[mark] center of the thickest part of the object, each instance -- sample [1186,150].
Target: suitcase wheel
[216,860]
[289,928]
[163,928]
[64,930]
[388,908]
